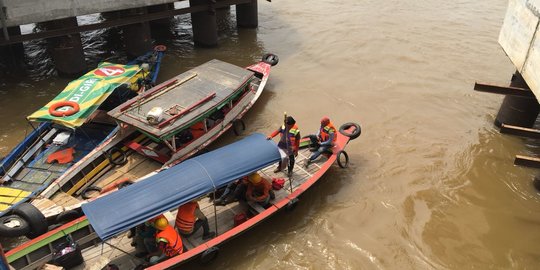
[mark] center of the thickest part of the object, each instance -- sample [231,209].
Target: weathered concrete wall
[20,12]
[520,39]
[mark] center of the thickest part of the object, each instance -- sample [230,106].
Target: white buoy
[155,115]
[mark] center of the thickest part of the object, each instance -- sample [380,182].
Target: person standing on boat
[289,142]
[259,190]
[190,218]
[168,241]
[323,141]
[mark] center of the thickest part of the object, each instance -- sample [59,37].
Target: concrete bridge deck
[19,12]
[57,22]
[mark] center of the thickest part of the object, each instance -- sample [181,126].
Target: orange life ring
[160,48]
[74,108]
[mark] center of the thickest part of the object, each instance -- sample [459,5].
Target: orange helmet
[161,223]
[325,121]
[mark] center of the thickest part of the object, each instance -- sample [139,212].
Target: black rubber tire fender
[36,220]
[238,127]
[209,255]
[125,184]
[123,157]
[352,135]
[13,226]
[67,216]
[339,162]
[291,204]
[85,194]
[270,59]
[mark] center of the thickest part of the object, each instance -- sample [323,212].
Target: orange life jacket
[185,218]
[174,242]
[288,140]
[325,132]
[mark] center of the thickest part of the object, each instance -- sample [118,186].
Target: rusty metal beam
[117,22]
[527,161]
[504,90]
[520,131]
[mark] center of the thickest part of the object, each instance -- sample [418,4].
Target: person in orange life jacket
[289,142]
[325,138]
[143,239]
[259,190]
[237,188]
[168,241]
[190,218]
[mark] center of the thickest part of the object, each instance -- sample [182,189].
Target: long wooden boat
[70,127]
[101,237]
[196,107]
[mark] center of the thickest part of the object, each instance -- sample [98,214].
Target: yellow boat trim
[98,168]
[10,196]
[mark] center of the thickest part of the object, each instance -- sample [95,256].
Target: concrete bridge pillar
[204,24]
[66,51]
[247,15]
[13,54]
[137,37]
[223,18]
[161,29]
[518,111]
[158,8]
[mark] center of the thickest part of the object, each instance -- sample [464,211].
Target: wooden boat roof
[184,98]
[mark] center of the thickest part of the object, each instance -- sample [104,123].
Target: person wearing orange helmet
[325,138]
[167,238]
[259,190]
[289,142]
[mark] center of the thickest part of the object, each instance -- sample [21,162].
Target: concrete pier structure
[204,24]
[66,51]
[134,23]
[520,107]
[13,54]
[247,15]
[518,110]
[160,8]
[136,37]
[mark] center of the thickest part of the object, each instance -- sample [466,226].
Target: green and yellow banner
[88,91]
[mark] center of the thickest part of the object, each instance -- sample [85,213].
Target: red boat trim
[45,235]
[216,241]
[340,145]
[156,89]
[188,109]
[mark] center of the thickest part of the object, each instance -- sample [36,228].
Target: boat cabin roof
[88,92]
[185,98]
[193,178]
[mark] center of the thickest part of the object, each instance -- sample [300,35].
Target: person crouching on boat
[190,218]
[168,241]
[234,190]
[259,190]
[323,141]
[289,142]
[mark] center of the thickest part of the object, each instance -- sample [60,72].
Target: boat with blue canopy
[109,218]
[157,128]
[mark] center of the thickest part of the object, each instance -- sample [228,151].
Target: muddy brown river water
[431,183]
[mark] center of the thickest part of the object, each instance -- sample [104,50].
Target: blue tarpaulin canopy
[135,204]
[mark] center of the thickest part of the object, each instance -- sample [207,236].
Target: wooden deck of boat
[119,251]
[185,97]
[135,167]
